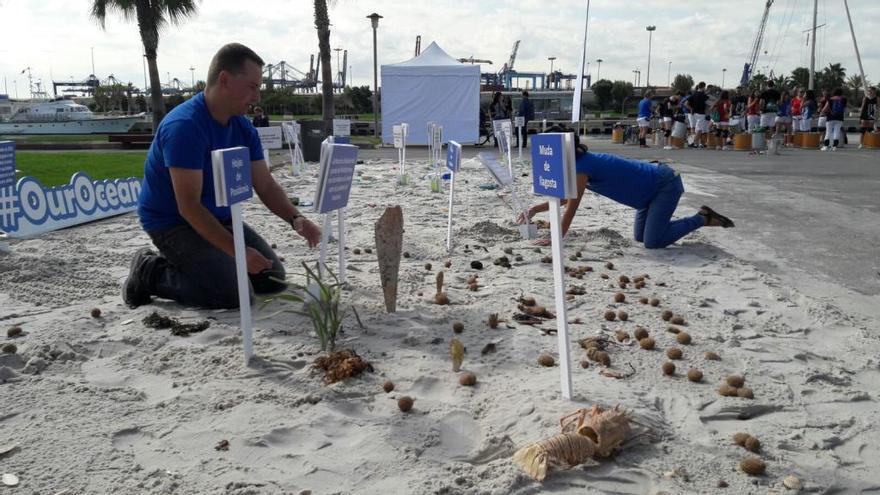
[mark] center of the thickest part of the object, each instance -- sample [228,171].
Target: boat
[65,117]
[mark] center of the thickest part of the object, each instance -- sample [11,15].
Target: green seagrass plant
[319,301]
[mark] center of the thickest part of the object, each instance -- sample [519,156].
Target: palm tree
[151,16]
[833,76]
[322,23]
[757,82]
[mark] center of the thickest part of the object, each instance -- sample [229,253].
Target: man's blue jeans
[654,225]
[193,272]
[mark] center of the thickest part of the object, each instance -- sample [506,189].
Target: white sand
[121,408]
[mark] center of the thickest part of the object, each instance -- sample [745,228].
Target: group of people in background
[780,112]
[501,108]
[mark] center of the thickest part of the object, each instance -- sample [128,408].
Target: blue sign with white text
[237,175]
[453,156]
[336,185]
[548,165]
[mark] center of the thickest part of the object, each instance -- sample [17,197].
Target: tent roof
[431,57]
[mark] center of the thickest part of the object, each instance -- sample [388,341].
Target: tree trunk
[322,23]
[150,38]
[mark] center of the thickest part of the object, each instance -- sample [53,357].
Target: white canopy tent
[432,87]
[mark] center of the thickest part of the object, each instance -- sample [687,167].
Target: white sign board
[341,128]
[270,137]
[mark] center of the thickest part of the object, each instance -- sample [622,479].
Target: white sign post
[503,134]
[399,132]
[553,175]
[520,123]
[232,187]
[435,148]
[294,147]
[453,163]
[271,139]
[334,187]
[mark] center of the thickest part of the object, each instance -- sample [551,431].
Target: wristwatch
[292,220]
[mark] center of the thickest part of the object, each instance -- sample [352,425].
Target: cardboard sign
[232,175]
[335,176]
[498,171]
[341,131]
[553,165]
[453,156]
[270,137]
[27,208]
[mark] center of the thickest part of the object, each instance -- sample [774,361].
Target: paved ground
[803,210]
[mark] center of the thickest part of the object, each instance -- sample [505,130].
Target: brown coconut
[668,368]
[711,356]
[96,312]
[745,393]
[622,335]
[752,444]
[610,315]
[388,386]
[753,466]
[441,299]
[428,266]
[643,300]
[619,297]
[609,265]
[740,438]
[467,379]
[640,333]
[666,315]
[623,315]
[726,390]
[9,348]
[673,353]
[647,343]
[677,320]
[655,302]
[458,327]
[683,338]
[546,360]
[13,332]
[405,403]
[736,381]
[695,375]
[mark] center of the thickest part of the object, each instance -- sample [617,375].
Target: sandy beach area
[108,405]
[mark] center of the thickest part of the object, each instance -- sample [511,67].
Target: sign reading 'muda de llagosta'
[27,208]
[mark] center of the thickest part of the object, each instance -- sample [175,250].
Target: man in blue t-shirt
[644,119]
[196,261]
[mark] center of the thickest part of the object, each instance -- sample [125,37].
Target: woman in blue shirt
[652,189]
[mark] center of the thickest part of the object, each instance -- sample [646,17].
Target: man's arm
[187,184]
[273,196]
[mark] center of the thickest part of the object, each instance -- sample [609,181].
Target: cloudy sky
[55,38]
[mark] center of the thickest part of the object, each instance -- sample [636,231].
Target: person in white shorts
[769,105]
[644,119]
[808,111]
[753,112]
[697,104]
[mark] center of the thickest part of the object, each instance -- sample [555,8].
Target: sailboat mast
[856,45]
[812,84]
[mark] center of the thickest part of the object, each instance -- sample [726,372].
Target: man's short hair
[702,85]
[525,93]
[231,58]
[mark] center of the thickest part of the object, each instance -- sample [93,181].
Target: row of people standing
[781,112]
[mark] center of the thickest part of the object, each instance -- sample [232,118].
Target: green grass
[60,138]
[53,169]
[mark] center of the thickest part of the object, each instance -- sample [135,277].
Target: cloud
[55,37]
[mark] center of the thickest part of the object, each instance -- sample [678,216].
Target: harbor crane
[756,47]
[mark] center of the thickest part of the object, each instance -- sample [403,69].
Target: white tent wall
[432,87]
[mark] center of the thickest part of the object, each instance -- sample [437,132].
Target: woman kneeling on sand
[653,189]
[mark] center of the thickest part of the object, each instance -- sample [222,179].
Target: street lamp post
[669,74]
[192,78]
[338,73]
[723,74]
[374,20]
[650,30]
[598,68]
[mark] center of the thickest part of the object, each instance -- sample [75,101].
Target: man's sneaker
[135,291]
[834,148]
[823,148]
